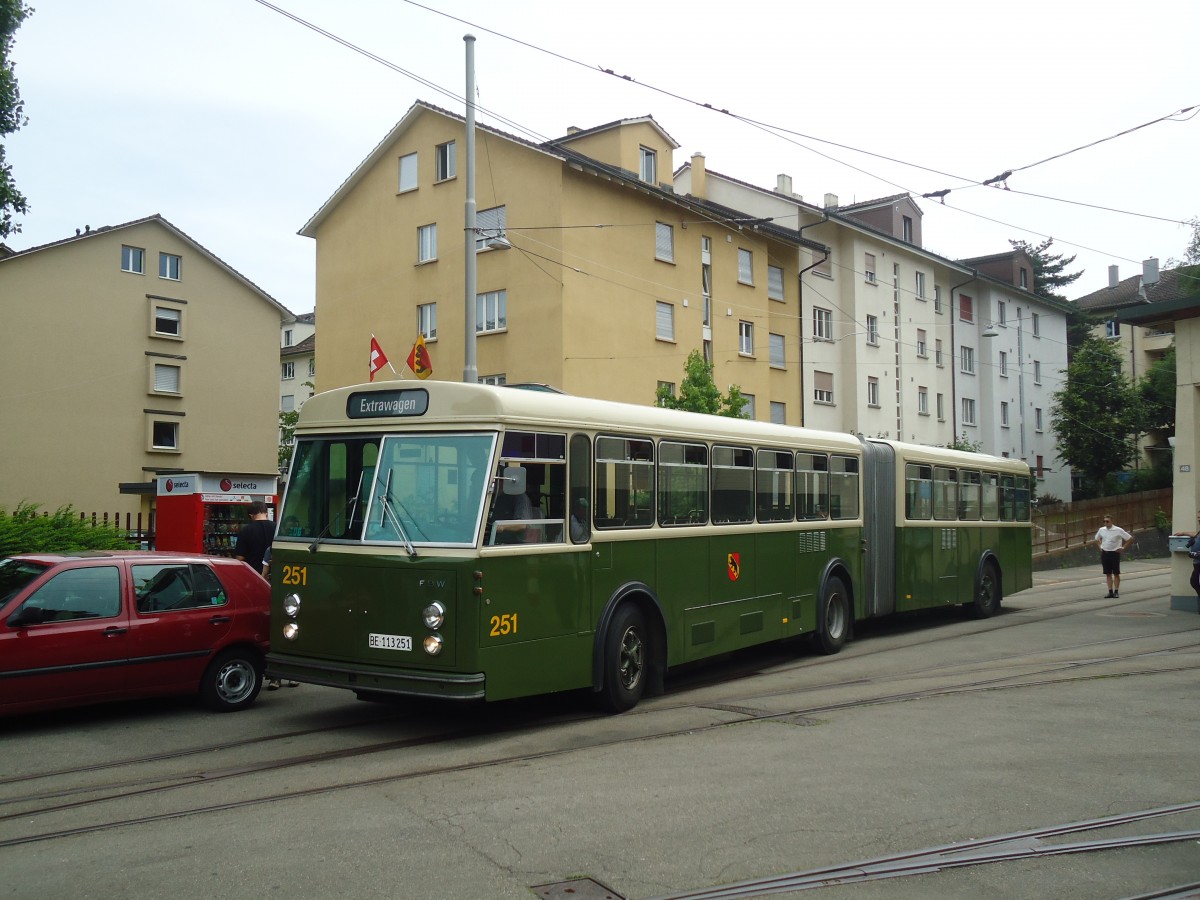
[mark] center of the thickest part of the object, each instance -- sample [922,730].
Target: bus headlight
[433,644]
[434,615]
[290,630]
[291,604]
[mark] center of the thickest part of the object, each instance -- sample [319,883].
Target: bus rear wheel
[987,593]
[626,649]
[833,617]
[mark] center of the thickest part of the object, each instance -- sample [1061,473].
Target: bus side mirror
[513,480]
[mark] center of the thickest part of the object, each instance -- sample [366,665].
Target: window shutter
[664,242]
[664,321]
[166,378]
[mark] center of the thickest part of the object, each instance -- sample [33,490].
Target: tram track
[35,805]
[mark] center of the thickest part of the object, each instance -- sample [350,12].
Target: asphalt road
[925,738]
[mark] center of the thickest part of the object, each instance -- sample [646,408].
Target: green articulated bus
[465,541]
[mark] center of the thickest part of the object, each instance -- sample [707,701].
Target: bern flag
[418,359]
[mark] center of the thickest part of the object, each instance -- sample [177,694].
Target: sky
[236,123]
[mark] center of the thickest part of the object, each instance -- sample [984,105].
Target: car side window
[174,586]
[88,593]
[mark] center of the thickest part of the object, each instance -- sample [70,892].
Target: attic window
[906,224]
[648,170]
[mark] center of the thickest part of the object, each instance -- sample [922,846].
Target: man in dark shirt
[255,537]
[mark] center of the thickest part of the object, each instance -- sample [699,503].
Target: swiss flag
[418,359]
[378,357]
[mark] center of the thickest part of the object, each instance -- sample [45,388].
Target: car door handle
[113,632]
[220,620]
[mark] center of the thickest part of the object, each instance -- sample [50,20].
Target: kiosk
[202,512]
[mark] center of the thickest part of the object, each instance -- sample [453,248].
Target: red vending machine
[203,512]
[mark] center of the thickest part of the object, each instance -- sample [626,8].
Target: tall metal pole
[470,372]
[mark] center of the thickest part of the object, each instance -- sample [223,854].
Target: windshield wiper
[389,513]
[351,508]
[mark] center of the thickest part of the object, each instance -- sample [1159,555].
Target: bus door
[946,545]
[879,528]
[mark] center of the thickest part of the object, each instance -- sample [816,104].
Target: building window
[822,263]
[923,401]
[427,243]
[968,411]
[823,387]
[665,389]
[774,283]
[872,391]
[1003,414]
[920,287]
[1003,364]
[427,320]
[906,229]
[922,347]
[133,259]
[966,308]
[822,324]
[444,161]
[491,312]
[937,353]
[937,299]
[287,403]
[408,173]
[164,435]
[312,368]
[873,330]
[1037,371]
[287,337]
[664,242]
[649,165]
[778,357]
[1037,325]
[490,225]
[746,338]
[664,321]
[745,266]
[168,322]
[941,407]
[778,413]
[1024,278]
[493,379]
[1112,329]
[869,267]
[1002,314]
[166,379]
[1037,419]
[287,371]
[968,360]
[168,266]
[748,407]
[1041,469]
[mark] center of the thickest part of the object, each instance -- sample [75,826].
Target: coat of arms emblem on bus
[734,562]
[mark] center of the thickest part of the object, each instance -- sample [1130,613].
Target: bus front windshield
[413,488]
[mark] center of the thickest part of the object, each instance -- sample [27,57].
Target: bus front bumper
[377,680]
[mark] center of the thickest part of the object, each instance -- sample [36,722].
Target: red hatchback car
[112,625]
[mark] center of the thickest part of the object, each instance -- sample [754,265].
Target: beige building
[593,274]
[127,352]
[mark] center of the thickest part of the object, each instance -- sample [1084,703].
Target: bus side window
[579,492]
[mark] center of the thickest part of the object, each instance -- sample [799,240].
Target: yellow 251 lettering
[505,624]
[295,575]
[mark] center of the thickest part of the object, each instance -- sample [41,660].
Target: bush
[26,530]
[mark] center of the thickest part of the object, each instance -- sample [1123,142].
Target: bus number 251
[505,624]
[295,575]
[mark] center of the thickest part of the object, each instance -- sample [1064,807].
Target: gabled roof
[640,120]
[163,223]
[1173,284]
[864,205]
[306,347]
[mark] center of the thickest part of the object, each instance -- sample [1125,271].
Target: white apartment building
[297,361]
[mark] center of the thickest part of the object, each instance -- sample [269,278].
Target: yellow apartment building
[127,352]
[593,275]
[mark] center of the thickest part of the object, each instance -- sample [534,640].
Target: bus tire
[833,617]
[987,592]
[232,680]
[626,663]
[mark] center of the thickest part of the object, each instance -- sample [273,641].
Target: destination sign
[382,404]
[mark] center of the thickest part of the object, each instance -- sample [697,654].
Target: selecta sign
[195,483]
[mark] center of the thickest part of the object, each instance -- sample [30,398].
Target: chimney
[573,129]
[1113,278]
[831,201]
[699,176]
[1150,271]
[783,185]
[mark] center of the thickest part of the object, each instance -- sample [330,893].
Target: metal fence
[138,527]
[1062,526]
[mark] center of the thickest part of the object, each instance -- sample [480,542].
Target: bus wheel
[987,593]
[833,617]
[625,662]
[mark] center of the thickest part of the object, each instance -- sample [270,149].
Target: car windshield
[408,489]
[15,574]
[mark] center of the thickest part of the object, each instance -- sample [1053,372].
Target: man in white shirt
[1112,541]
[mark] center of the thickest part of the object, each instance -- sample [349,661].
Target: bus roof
[949,457]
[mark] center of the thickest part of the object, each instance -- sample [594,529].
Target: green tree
[12,113]
[287,431]
[1049,269]
[699,393]
[1094,415]
[1156,395]
[1191,254]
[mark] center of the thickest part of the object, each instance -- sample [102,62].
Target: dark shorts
[1110,562]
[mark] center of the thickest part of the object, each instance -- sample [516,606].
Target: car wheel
[833,617]
[626,658]
[232,680]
